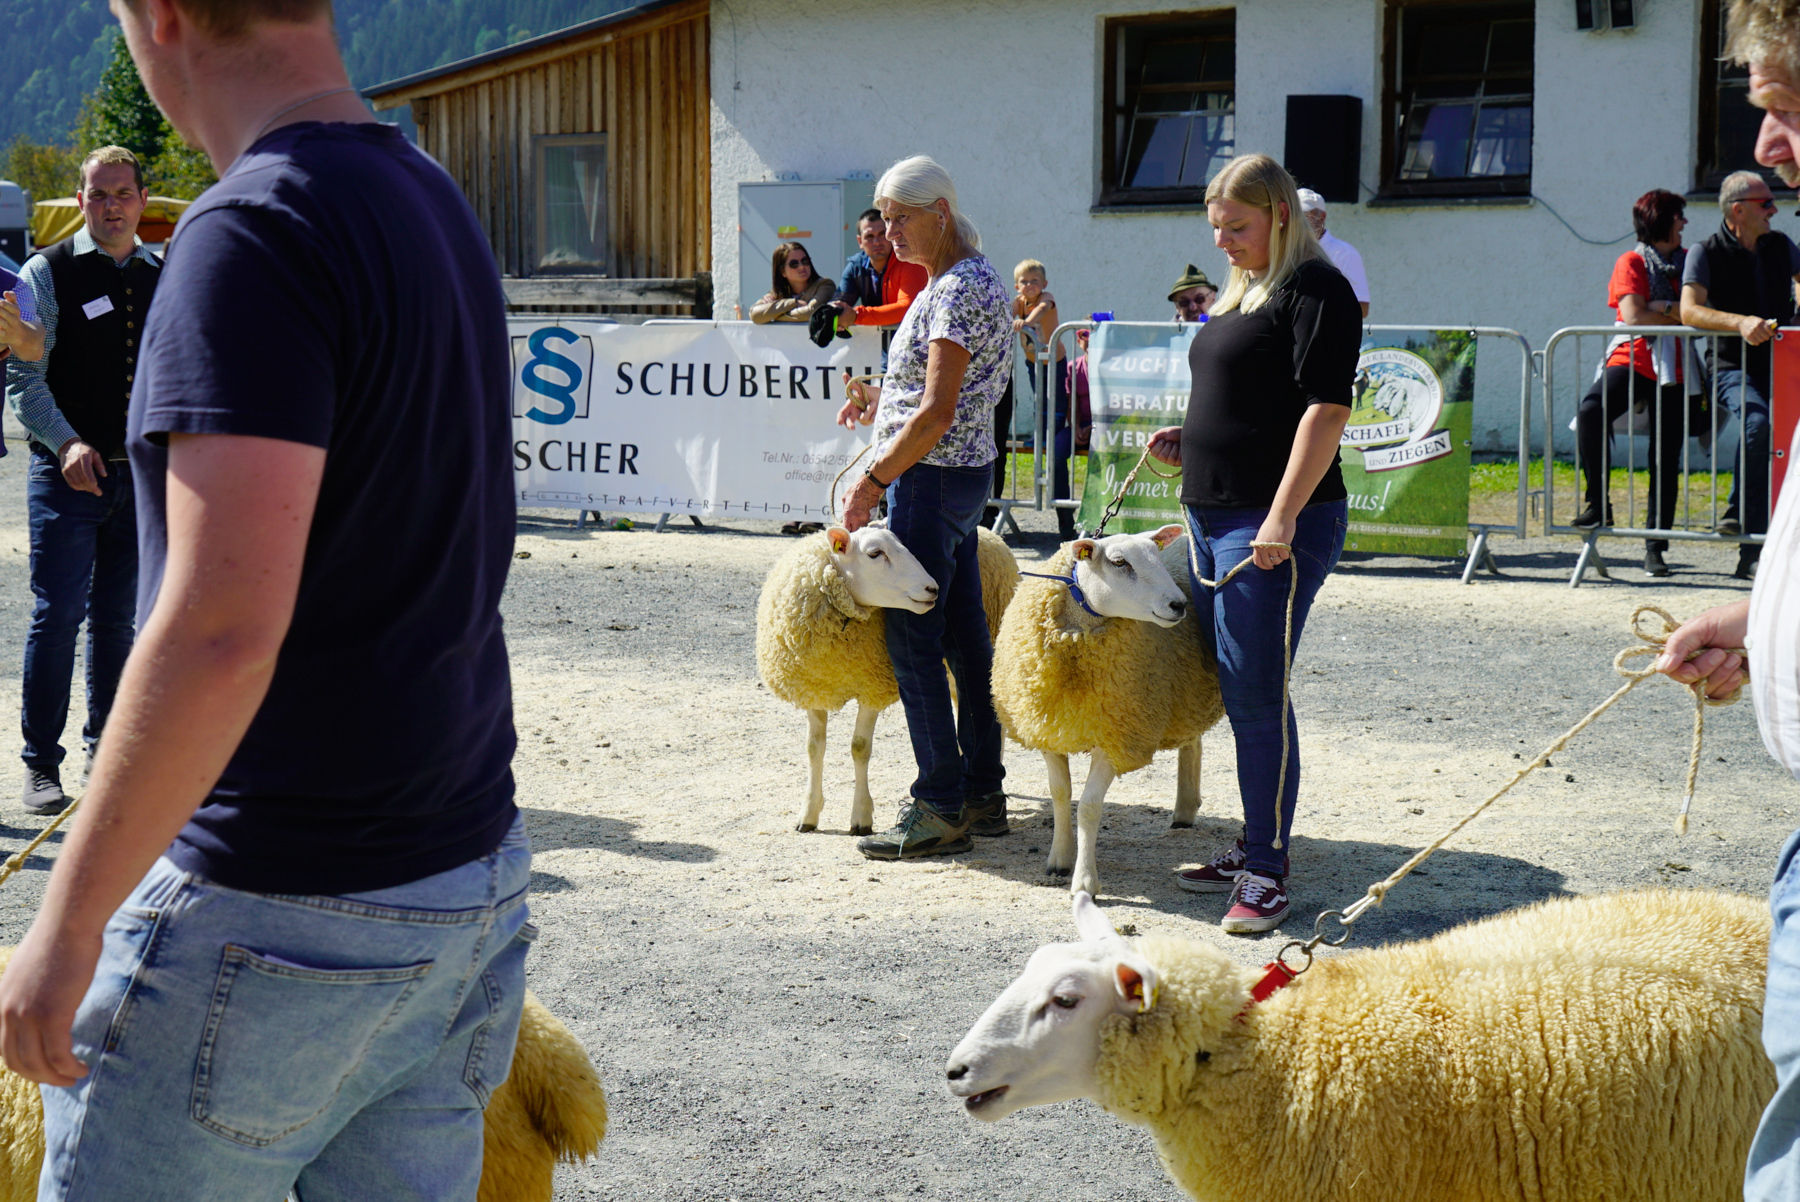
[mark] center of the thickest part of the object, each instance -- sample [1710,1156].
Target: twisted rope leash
[17,861]
[1654,641]
[1112,507]
[831,498]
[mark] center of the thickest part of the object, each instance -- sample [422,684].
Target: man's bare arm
[238,512]
[1755,330]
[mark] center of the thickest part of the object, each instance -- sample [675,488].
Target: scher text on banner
[724,420]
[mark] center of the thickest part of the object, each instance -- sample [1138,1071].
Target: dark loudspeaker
[1324,144]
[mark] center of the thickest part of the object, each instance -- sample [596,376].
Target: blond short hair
[1260,182]
[107,155]
[1765,31]
[1027,265]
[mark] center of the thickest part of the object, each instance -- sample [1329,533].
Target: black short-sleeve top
[1254,376]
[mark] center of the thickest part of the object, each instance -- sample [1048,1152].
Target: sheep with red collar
[821,637]
[1583,1048]
[1103,659]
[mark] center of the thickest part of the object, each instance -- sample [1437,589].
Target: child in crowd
[1035,319]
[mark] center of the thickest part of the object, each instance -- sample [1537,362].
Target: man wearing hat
[1344,257]
[1740,281]
[1193,295]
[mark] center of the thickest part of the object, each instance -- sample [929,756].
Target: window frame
[1708,174]
[541,145]
[1393,116]
[1118,105]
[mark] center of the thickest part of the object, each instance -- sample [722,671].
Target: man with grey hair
[1740,282]
[1344,257]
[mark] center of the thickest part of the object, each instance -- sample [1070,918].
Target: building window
[571,203]
[1458,99]
[1728,121]
[1169,106]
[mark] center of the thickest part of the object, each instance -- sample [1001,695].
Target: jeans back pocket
[282,1038]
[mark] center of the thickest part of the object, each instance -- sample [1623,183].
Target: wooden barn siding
[647,92]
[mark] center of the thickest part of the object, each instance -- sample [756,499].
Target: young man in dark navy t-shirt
[298,866]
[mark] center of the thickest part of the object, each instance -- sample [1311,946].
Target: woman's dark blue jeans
[933,511]
[1244,626]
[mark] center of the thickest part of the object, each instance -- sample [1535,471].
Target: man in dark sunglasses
[1740,282]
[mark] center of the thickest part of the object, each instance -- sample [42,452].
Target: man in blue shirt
[21,333]
[299,868]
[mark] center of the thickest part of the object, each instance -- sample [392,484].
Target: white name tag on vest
[98,307]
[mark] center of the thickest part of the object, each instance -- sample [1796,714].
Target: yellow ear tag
[1084,553]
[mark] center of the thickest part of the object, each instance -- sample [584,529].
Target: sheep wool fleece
[817,648]
[1129,688]
[1579,1049]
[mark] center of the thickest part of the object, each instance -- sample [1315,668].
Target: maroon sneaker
[1258,903]
[1219,876]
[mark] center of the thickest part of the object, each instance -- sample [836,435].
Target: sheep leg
[1087,819]
[1187,784]
[815,768]
[862,809]
[1062,834]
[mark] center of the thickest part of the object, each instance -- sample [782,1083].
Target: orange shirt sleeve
[904,281]
[1629,278]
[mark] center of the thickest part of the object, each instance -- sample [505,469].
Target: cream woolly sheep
[1121,683]
[1583,1048]
[821,637]
[549,1109]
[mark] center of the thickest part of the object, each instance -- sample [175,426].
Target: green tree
[119,112]
[44,171]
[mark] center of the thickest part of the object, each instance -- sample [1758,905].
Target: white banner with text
[725,419]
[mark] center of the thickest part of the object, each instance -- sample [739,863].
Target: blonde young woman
[1272,371]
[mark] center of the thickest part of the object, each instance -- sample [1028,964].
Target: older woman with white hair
[1272,371]
[948,365]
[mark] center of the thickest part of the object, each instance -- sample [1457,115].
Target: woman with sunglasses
[797,289]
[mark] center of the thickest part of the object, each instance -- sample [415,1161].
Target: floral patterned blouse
[970,306]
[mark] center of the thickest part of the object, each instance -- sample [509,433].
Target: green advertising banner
[1405,452]
[1137,383]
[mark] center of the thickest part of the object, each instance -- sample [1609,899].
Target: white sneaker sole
[1252,926]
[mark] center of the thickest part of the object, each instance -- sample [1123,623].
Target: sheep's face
[1122,576]
[880,571]
[1039,1042]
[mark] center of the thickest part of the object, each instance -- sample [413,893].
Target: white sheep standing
[821,637]
[1117,672]
[1582,1048]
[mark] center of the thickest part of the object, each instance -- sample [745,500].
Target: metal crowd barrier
[1573,361]
[1480,553]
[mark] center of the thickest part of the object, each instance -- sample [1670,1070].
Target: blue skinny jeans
[933,511]
[1244,625]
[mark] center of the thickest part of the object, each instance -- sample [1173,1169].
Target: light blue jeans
[242,1045]
[1773,1174]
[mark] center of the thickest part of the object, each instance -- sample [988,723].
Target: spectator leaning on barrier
[1193,295]
[933,456]
[301,817]
[1740,282]
[1346,257]
[1765,35]
[795,288]
[1645,290]
[877,287]
[93,291]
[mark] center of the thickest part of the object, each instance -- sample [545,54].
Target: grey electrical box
[821,215]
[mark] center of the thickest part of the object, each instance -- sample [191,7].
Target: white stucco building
[1501,147]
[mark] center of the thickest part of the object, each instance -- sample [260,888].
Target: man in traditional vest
[93,291]
[1740,282]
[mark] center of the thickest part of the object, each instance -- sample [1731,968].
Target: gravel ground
[771,1013]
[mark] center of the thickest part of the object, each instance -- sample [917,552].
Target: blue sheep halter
[1074,589]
